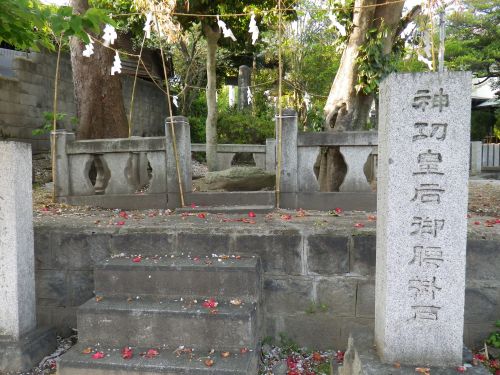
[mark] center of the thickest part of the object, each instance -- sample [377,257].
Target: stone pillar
[422,225]
[271,154]
[60,138]
[231,95]
[244,80]
[476,155]
[17,266]
[355,158]
[183,141]
[288,173]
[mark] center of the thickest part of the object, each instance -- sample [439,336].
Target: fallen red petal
[201,215]
[127,353]
[359,225]
[98,355]
[137,259]
[123,214]
[251,214]
[120,223]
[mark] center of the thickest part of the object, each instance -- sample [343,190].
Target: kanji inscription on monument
[422,208]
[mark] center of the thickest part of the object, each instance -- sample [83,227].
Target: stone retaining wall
[318,285]
[27,90]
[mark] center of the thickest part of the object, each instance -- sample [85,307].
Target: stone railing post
[183,142]
[59,140]
[476,157]
[271,154]
[288,173]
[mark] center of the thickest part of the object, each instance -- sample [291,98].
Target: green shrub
[241,127]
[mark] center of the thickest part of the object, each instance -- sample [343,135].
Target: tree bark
[212,34]
[98,94]
[347,109]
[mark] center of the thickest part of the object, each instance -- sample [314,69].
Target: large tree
[207,10]
[98,94]
[372,29]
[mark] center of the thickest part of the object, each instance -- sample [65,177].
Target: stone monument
[21,344]
[244,81]
[424,132]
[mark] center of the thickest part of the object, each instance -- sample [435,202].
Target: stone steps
[166,363]
[229,209]
[157,302]
[156,322]
[179,277]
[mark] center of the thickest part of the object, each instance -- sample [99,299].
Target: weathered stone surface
[337,295]
[362,359]
[481,303]
[365,299]
[482,260]
[51,286]
[202,243]
[422,225]
[327,255]
[280,252]
[236,179]
[281,293]
[17,266]
[363,254]
[311,329]
[77,250]
[142,242]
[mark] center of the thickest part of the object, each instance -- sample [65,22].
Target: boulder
[236,179]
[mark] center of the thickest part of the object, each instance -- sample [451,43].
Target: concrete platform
[361,358]
[167,363]
[23,354]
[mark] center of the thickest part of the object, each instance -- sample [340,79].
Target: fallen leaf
[209,362]
[396,365]
[423,370]
[98,298]
[98,355]
[243,350]
[87,351]
[372,218]
[317,357]
[151,353]
[127,353]
[225,354]
[235,302]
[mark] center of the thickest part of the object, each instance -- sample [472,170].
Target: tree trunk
[347,109]
[98,94]
[212,35]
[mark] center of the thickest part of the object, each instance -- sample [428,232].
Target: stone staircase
[167,304]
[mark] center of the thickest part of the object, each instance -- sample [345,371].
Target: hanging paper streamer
[147,25]
[117,65]
[337,24]
[226,31]
[109,35]
[175,99]
[89,49]
[249,95]
[253,29]
[425,61]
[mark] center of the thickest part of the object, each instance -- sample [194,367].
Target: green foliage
[314,308]
[481,124]
[22,24]
[494,338]
[473,38]
[242,128]
[49,122]
[27,24]
[373,64]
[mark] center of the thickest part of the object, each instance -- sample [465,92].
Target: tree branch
[406,20]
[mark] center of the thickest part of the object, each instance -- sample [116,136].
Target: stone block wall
[27,89]
[318,285]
